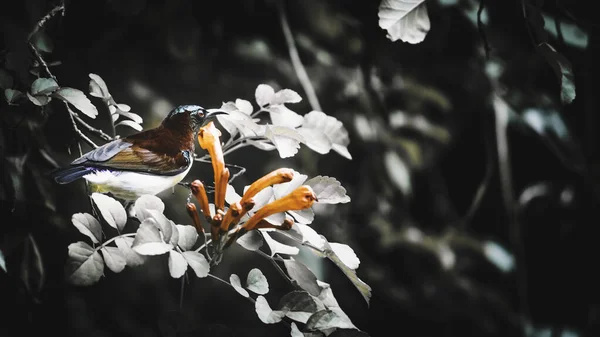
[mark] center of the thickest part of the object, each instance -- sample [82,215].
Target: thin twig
[42,22]
[76,129]
[486,45]
[92,129]
[295,57]
[279,269]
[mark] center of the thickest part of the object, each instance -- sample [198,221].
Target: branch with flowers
[276,206]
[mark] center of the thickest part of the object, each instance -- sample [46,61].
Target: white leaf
[88,225]
[264,312]
[131,257]
[332,128]
[252,240]
[148,240]
[78,99]
[236,283]
[281,190]
[406,20]
[328,190]
[295,331]
[329,318]
[346,254]
[398,172]
[114,259]
[124,107]
[499,256]
[257,282]
[112,211]
[304,216]
[303,276]
[198,263]
[131,124]
[277,247]
[244,106]
[174,240]
[264,94]
[315,139]
[264,145]
[85,265]
[43,86]
[238,120]
[98,87]
[39,100]
[147,202]
[133,116]
[177,264]
[286,96]
[282,116]
[311,236]
[163,223]
[2,262]
[187,236]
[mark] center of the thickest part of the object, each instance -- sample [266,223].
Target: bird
[147,162]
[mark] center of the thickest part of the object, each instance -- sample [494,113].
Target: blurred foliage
[428,215]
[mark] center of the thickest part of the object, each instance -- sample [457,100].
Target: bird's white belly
[132,185]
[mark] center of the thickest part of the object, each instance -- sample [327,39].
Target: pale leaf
[277,247]
[328,190]
[147,202]
[78,99]
[111,210]
[88,225]
[131,257]
[251,241]
[236,283]
[257,282]
[114,259]
[265,313]
[282,116]
[332,128]
[85,265]
[187,237]
[285,96]
[405,20]
[43,86]
[177,264]
[148,240]
[346,254]
[98,87]
[198,263]
[264,94]
[130,124]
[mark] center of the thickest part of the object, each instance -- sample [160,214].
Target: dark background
[155,55]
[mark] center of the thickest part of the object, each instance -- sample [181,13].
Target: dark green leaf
[562,69]
[43,86]
[6,80]
[32,266]
[12,95]
[329,318]
[39,100]
[42,42]
[85,265]
[78,99]
[303,276]
[348,333]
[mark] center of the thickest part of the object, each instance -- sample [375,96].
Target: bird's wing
[122,155]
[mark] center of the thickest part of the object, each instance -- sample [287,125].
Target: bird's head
[192,116]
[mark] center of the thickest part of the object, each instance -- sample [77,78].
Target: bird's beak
[214,112]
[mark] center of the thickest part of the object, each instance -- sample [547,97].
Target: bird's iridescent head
[193,115]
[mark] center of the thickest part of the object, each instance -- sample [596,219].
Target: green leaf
[42,42]
[147,202]
[78,99]
[329,318]
[562,69]
[264,94]
[236,283]
[148,240]
[98,87]
[571,33]
[131,257]
[12,95]
[39,100]
[88,225]
[257,282]
[114,259]
[43,86]
[85,265]
[328,126]
[177,264]
[251,240]
[328,190]
[187,237]
[111,210]
[303,276]
[198,263]
[265,313]
[405,20]
[6,80]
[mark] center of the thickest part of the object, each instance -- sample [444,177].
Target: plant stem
[272,260]
[105,243]
[90,128]
[295,58]
[229,284]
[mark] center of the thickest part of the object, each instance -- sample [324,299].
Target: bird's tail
[69,174]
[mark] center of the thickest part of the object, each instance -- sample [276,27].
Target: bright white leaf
[329,318]
[281,190]
[398,172]
[244,106]
[311,236]
[236,283]
[111,210]
[78,99]
[264,145]
[257,282]
[124,107]
[98,87]
[163,223]
[174,240]
[85,265]
[88,225]
[177,264]
[265,313]
[328,190]
[304,216]
[187,236]
[3,262]
[286,140]
[295,331]
[277,247]
[332,128]
[114,259]
[499,256]
[285,96]
[282,116]
[405,20]
[147,202]
[130,124]
[148,240]
[315,139]
[43,86]
[131,257]
[346,254]
[198,263]
[264,94]
[133,116]
[252,240]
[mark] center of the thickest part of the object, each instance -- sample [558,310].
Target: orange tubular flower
[300,198]
[282,175]
[199,193]
[209,139]
[193,213]
[221,188]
